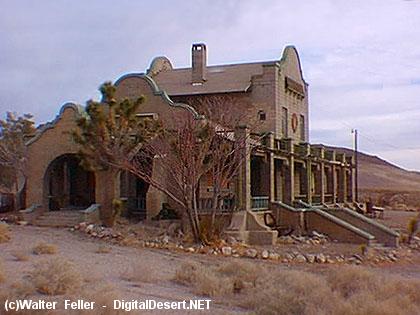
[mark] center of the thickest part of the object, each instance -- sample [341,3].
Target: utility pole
[356,162]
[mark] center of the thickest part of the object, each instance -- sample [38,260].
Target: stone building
[283,171]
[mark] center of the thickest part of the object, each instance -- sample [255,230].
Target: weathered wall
[290,67]
[53,143]
[136,86]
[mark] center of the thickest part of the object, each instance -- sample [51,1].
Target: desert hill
[376,174]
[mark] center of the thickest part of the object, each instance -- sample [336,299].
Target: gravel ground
[154,268]
[157,267]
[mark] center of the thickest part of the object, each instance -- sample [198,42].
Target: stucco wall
[290,67]
[54,142]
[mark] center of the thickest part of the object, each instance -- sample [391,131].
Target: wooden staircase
[61,218]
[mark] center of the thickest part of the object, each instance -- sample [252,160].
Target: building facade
[271,95]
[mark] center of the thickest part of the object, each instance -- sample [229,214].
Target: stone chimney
[199,63]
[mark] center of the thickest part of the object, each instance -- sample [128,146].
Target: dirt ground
[154,269]
[157,267]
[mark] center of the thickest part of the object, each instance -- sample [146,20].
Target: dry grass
[45,248]
[20,255]
[101,295]
[139,273]
[4,233]
[102,249]
[340,290]
[130,241]
[23,289]
[2,272]
[54,277]
[213,282]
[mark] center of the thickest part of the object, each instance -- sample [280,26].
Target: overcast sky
[361,58]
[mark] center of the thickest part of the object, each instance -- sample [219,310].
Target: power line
[371,139]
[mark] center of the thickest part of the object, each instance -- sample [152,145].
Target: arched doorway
[67,185]
[134,191]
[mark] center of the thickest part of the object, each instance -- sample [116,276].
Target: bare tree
[179,157]
[172,160]
[14,132]
[226,153]
[112,136]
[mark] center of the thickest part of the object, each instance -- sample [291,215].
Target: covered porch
[280,170]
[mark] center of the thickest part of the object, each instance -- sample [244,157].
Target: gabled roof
[219,79]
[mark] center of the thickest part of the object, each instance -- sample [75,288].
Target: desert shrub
[186,273]
[54,277]
[341,290]
[403,238]
[205,281]
[23,289]
[139,273]
[2,272]
[290,292]
[130,241]
[363,249]
[102,249]
[4,233]
[242,274]
[350,280]
[103,294]
[412,228]
[209,232]
[20,255]
[45,248]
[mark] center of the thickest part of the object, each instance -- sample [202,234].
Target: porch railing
[259,203]
[206,204]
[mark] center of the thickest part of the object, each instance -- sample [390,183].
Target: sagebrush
[4,233]
[45,248]
[269,290]
[54,277]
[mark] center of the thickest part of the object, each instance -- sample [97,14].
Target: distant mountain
[378,174]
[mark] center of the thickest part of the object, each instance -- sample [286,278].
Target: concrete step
[55,224]
[67,218]
[375,244]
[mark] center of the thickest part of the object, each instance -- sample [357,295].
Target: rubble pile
[231,247]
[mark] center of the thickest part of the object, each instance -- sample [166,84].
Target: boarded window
[302,127]
[284,119]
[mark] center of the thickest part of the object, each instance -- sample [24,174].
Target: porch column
[334,183]
[342,181]
[289,173]
[308,181]
[271,168]
[322,181]
[343,185]
[243,191]
[279,180]
[353,184]
[351,178]
[308,174]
